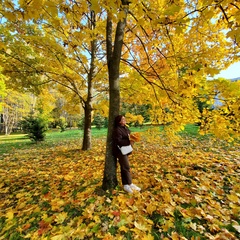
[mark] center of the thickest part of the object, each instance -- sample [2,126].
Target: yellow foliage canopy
[170,48]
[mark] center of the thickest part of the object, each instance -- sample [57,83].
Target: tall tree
[2,89]
[58,52]
[173,47]
[114,52]
[15,107]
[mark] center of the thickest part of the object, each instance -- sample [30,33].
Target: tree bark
[113,58]
[88,104]
[86,144]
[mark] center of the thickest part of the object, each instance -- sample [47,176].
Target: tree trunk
[86,144]
[113,57]
[8,117]
[88,104]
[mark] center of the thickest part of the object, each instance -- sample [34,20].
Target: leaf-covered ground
[189,191]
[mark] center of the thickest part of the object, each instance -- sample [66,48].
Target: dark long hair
[117,120]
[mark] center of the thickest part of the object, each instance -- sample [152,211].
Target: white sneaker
[127,188]
[134,187]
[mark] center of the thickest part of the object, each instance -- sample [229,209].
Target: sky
[232,72]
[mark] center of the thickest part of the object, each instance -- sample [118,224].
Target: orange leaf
[135,137]
[116,213]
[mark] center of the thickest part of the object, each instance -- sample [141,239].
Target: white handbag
[126,149]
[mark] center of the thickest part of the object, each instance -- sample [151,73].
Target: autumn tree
[172,49]
[2,89]
[176,47]
[54,50]
[222,120]
[114,52]
[15,107]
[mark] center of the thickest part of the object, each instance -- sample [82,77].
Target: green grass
[191,129]
[21,141]
[15,141]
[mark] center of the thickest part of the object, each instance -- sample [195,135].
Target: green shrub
[35,127]
[81,123]
[62,124]
[99,121]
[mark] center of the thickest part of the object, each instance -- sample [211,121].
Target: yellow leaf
[10,215]
[237,227]
[140,226]
[59,237]
[175,236]
[151,208]
[182,127]
[233,198]
[97,219]
[56,204]
[10,16]
[95,6]
[148,237]
[225,235]
[168,224]
[20,195]
[52,9]
[214,227]
[193,226]
[37,209]
[166,196]
[69,177]
[61,217]
[123,228]
[21,205]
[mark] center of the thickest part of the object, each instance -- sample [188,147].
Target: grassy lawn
[15,141]
[21,141]
[191,129]
[53,137]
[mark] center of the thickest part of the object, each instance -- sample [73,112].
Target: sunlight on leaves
[189,191]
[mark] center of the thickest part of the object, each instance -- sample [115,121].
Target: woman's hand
[132,142]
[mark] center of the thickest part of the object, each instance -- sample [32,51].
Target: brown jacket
[120,138]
